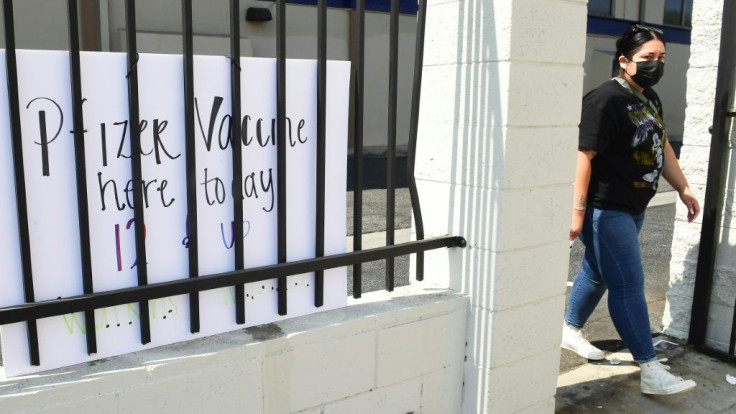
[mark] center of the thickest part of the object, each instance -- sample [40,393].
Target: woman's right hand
[580,190]
[576,227]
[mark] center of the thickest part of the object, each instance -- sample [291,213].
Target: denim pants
[612,261]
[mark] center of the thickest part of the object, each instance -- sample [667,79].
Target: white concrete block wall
[495,163]
[400,355]
[694,161]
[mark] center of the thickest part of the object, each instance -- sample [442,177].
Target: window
[678,13]
[600,7]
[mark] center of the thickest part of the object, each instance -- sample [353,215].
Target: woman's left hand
[693,208]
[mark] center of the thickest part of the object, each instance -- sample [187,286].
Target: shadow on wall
[477,160]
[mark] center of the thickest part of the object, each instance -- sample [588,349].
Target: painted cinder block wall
[498,139]
[701,87]
[397,353]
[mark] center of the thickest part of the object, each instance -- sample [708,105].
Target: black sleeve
[597,129]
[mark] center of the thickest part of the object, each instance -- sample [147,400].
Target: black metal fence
[714,195]
[91,300]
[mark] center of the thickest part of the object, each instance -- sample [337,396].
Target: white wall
[495,164]
[399,354]
[694,161]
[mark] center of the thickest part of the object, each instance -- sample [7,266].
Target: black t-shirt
[628,136]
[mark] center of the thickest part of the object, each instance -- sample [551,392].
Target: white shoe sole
[593,356]
[685,386]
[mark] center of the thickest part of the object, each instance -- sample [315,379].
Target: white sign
[48,154]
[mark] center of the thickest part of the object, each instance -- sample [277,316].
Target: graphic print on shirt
[647,144]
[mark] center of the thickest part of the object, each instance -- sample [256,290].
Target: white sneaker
[573,340]
[655,379]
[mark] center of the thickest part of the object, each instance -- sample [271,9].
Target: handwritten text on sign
[48,154]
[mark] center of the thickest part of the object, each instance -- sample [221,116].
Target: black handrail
[413,126]
[19,313]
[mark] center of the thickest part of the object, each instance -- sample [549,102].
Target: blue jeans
[612,261]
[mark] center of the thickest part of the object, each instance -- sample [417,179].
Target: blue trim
[615,27]
[405,6]
[342,4]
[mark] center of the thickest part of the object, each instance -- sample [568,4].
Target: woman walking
[622,152]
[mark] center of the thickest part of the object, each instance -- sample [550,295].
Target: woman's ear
[622,61]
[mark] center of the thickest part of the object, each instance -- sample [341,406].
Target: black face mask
[648,73]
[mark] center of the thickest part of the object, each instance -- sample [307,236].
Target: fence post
[20,182]
[135,150]
[494,164]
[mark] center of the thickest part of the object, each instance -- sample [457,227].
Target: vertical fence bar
[391,148]
[717,165]
[81,170]
[20,182]
[237,155]
[135,150]
[191,158]
[413,126]
[319,278]
[281,144]
[732,340]
[359,75]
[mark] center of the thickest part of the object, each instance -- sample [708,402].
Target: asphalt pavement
[374,235]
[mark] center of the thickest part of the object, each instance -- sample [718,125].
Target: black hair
[633,39]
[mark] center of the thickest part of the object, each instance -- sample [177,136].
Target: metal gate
[714,195]
[195,283]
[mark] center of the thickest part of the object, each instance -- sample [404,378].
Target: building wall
[695,154]
[160,25]
[400,355]
[42,24]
